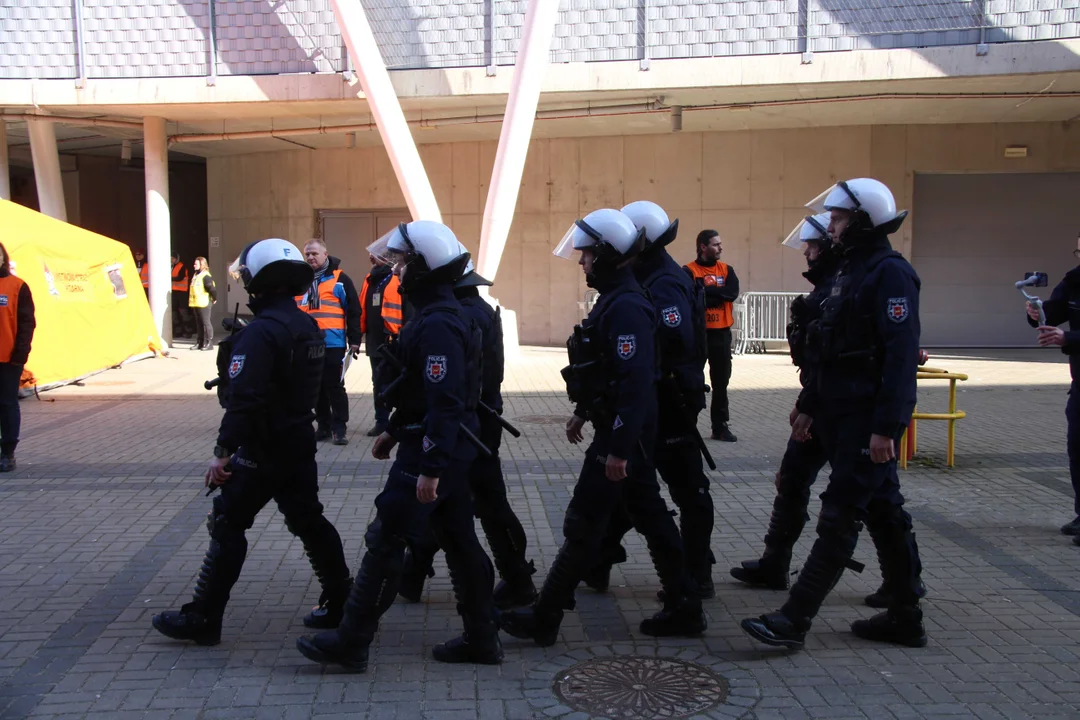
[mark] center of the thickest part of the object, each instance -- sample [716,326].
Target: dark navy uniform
[271,372]
[865,349]
[440,353]
[622,407]
[680,333]
[1064,306]
[504,532]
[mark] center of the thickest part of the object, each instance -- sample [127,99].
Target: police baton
[499,419]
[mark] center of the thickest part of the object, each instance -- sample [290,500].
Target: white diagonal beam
[386,110]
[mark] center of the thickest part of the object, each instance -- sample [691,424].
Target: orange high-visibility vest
[9,315]
[144,274]
[716,318]
[393,308]
[330,315]
[179,278]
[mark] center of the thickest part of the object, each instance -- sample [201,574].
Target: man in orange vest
[376,331]
[16,332]
[333,302]
[721,290]
[182,319]
[143,268]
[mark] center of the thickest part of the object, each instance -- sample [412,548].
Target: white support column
[50,185]
[5,170]
[158,230]
[532,60]
[382,99]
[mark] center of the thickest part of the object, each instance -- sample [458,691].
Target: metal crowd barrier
[760,317]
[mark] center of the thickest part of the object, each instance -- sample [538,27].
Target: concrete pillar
[50,185]
[532,60]
[158,231]
[384,105]
[5,171]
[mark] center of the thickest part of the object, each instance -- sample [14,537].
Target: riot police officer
[504,533]
[680,305]
[435,399]
[612,377]
[269,376]
[865,351]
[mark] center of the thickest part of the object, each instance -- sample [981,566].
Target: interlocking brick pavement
[103,525]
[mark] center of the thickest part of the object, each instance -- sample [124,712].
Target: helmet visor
[818,203]
[393,248]
[794,239]
[578,237]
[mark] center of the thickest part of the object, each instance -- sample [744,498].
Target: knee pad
[692,497]
[840,525]
[576,527]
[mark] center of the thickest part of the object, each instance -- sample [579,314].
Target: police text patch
[3,300]
[626,346]
[436,368]
[897,309]
[671,316]
[236,365]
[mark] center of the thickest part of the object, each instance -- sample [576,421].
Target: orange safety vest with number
[179,278]
[330,315]
[393,308]
[716,318]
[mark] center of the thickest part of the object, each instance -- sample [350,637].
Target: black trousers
[205,334]
[1072,415]
[10,415]
[382,413]
[719,342]
[332,410]
[183,319]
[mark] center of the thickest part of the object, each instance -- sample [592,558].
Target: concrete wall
[750,186]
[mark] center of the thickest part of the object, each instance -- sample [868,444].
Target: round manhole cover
[543,419]
[640,688]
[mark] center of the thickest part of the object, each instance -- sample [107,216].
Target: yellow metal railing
[928,373]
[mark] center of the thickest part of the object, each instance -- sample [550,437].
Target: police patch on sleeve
[428,444]
[897,309]
[436,368]
[236,365]
[617,424]
[671,316]
[626,346]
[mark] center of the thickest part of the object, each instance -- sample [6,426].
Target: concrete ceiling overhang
[745,104]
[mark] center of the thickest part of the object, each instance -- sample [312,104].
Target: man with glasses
[1064,305]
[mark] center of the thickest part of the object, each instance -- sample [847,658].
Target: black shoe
[196,347]
[519,593]
[340,439]
[374,432]
[1076,538]
[526,624]
[881,598]
[329,649]
[899,627]
[188,624]
[327,615]
[477,648]
[684,620]
[777,630]
[723,433]
[1071,528]
[7,463]
[207,348]
[322,434]
[766,575]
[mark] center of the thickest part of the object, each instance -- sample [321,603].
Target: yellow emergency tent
[91,310]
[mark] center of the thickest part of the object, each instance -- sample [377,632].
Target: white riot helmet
[428,251]
[272,264]
[659,231]
[871,201]
[608,233]
[812,228]
[469,276]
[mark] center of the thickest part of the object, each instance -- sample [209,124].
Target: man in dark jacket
[1064,305]
[16,333]
[375,332]
[333,303]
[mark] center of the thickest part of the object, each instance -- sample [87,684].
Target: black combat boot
[773,570]
[370,596]
[540,622]
[479,644]
[899,626]
[516,589]
[898,556]
[882,598]
[682,618]
[327,615]
[200,619]
[778,630]
[322,545]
